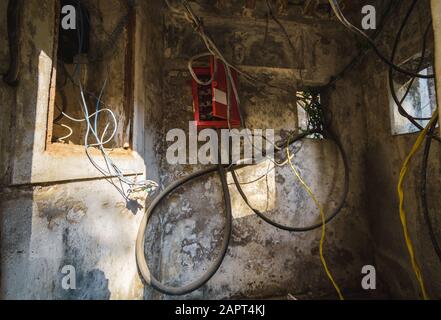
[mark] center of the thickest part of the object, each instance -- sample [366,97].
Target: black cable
[390,8]
[401,109]
[420,65]
[331,216]
[424,200]
[140,255]
[13,24]
[140,242]
[265,175]
[62,109]
[281,26]
[340,16]
[413,120]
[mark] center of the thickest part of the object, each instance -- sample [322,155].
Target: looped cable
[140,240]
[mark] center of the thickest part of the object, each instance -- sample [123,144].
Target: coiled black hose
[140,255]
[424,201]
[140,241]
[317,225]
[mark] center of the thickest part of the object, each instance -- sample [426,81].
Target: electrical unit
[210,101]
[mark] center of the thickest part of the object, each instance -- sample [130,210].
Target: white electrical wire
[231,85]
[99,141]
[193,74]
[111,170]
[63,139]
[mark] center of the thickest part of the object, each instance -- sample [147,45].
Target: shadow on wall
[89,285]
[262,261]
[84,224]
[16,229]
[29,249]
[27,261]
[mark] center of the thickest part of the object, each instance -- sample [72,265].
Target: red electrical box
[210,101]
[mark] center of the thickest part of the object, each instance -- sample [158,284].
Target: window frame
[393,107]
[33,153]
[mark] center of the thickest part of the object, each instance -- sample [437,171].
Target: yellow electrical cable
[323,217]
[403,218]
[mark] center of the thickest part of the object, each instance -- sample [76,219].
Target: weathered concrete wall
[47,228]
[85,224]
[107,57]
[263,261]
[7,96]
[385,157]
[436,16]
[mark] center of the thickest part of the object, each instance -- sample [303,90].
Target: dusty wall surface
[107,57]
[7,96]
[385,157]
[436,16]
[85,224]
[263,261]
